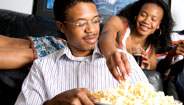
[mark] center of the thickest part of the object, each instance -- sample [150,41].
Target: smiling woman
[147,23]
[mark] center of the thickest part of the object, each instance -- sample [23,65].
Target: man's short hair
[61,6]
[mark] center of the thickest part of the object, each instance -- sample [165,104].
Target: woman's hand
[78,96]
[108,45]
[145,64]
[119,60]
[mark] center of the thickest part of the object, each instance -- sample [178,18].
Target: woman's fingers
[126,63]
[145,62]
[112,68]
[119,66]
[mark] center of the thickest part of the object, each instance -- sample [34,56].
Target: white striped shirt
[61,71]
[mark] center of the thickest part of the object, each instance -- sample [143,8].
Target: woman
[147,23]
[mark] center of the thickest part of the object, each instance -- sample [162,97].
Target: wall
[177,9]
[24,6]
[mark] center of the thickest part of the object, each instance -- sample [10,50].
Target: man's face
[81,39]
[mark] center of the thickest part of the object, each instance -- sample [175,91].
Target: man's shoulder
[46,64]
[50,57]
[176,37]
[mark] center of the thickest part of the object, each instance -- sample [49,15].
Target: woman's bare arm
[108,45]
[108,38]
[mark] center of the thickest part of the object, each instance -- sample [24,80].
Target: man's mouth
[90,39]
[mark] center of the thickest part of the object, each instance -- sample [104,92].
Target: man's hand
[79,96]
[179,50]
[118,60]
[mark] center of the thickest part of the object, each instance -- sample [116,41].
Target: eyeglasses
[82,23]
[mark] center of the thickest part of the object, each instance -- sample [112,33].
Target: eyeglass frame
[100,20]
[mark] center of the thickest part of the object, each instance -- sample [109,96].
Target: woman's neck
[136,38]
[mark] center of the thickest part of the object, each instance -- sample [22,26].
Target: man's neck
[80,53]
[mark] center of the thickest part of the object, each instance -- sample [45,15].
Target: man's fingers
[84,98]
[76,101]
[93,98]
[180,51]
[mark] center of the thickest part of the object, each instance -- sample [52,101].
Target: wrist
[48,102]
[108,54]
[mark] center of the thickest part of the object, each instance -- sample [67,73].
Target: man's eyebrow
[85,19]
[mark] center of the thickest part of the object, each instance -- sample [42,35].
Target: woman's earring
[135,18]
[160,32]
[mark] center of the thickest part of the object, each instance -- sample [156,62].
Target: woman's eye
[143,14]
[154,19]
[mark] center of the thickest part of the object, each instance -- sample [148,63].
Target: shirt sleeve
[33,91]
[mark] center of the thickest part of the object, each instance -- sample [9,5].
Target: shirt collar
[66,52]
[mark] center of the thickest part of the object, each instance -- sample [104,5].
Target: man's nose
[90,27]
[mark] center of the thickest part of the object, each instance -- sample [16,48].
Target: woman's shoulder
[116,22]
[115,18]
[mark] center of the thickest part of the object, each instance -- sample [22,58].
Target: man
[65,76]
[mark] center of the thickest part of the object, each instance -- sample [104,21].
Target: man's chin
[91,46]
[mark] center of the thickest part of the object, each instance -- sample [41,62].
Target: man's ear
[60,25]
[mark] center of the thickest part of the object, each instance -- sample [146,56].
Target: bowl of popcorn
[137,94]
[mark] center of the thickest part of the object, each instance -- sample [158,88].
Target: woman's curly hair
[160,41]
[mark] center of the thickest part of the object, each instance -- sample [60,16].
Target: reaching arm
[109,43]
[108,39]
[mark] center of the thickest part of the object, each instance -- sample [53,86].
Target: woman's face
[149,19]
